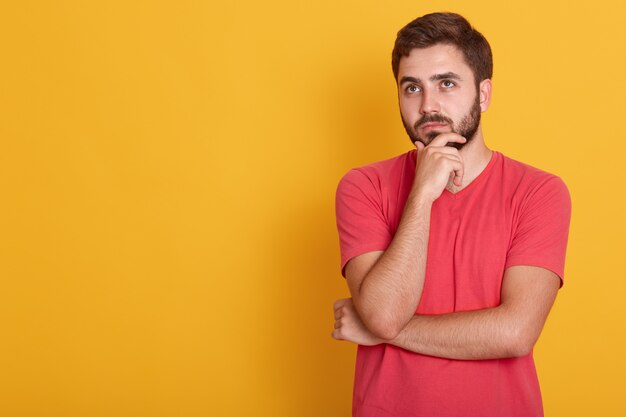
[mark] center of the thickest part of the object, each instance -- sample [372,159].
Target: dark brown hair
[446,28]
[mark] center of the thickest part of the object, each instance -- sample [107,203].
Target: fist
[437,165]
[349,326]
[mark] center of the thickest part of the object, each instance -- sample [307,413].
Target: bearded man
[453,253]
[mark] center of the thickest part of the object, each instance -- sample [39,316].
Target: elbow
[384,328]
[386,333]
[384,321]
[518,351]
[519,343]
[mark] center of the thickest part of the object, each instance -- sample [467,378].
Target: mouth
[432,126]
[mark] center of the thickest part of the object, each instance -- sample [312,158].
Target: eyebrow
[437,77]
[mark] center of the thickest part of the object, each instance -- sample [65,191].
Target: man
[453,253]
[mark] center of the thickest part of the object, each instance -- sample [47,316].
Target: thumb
[419,145]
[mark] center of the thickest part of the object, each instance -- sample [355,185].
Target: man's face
[437,94]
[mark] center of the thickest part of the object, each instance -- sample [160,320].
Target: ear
[484,91]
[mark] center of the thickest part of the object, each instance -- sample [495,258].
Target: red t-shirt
[511,214]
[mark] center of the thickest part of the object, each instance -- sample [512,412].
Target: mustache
[436,118]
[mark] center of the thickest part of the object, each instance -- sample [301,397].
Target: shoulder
[529,183]
[529,178]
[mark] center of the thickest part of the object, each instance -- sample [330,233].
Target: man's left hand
[350,327]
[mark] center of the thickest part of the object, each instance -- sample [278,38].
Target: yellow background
[167,179]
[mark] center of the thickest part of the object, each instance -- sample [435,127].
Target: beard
[467,127]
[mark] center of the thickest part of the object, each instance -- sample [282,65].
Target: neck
[476,155]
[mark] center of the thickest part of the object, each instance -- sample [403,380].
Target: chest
[468,244]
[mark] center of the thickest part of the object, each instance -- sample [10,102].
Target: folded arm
[386,286]
[508,330]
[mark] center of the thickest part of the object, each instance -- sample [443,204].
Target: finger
[338,313]
[446,152]
[454,154]
[451,156]
[337,324]
[419,145]
[454,165]
[458,175]
[340,303]
[444,138]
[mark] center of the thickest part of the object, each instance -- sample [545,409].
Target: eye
[412,89]
[448,84]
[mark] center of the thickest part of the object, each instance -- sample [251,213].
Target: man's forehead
[428,62]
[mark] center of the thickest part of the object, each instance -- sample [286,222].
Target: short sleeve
[540,236]
[361,221]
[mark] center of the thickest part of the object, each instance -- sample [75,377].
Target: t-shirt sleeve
[361,221]
[540,238]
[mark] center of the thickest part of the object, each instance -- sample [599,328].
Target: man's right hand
[437,164]
[386,287]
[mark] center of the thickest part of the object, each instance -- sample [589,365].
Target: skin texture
[509,330]
[433,88]
[436,84]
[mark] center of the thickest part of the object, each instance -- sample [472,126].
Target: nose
[430,103]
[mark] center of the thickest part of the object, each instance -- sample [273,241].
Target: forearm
[390,292]
[490,333]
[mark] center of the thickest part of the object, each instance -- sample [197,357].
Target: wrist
[420,199]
